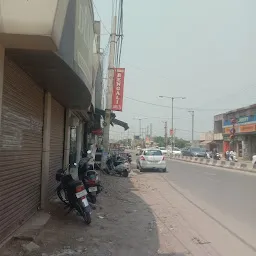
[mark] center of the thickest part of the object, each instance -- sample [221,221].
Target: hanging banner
[118,89]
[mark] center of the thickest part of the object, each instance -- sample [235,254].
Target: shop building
[218,130]
[46,87]
[244,142]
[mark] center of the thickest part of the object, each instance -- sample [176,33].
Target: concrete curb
[219,163]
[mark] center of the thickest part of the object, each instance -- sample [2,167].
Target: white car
[163,150]
[151,159]
[176,151]
[254,161]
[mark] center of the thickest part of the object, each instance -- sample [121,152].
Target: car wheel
[164,170]
[254,166]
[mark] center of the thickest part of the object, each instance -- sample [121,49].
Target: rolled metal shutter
[56,143]
[20,148]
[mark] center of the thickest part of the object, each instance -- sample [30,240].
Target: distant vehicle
[176,151]
[196,152]
[151,159]
[254,161]
[163,150]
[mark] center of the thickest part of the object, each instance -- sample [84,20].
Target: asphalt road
[232,193]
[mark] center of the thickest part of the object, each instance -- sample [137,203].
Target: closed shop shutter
[20,148]
[56,143]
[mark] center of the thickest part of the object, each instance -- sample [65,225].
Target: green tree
[159,140]
[179,142]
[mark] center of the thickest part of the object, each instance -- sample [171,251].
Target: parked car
[254,161]
[151,159]
[176,151]
[163,150]
[198,152]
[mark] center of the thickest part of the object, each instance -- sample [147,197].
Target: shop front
[244,139]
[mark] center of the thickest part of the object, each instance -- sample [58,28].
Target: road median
[241,166]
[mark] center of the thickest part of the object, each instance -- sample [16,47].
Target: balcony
[52,40]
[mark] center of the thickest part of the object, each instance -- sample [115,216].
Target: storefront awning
[121,123]
[101,112]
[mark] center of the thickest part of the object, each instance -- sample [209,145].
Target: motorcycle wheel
[61,191]
[125,173]
[85,215]
[87,218]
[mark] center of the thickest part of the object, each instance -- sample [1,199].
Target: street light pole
[172,125]
[192,112]
[172,98]
[140,119]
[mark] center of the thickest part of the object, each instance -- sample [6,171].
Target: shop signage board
[241,120]
[241,128]
[118,89]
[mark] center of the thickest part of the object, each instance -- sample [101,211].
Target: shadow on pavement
[122,225]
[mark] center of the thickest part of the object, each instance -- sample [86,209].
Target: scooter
[216,156]
[117,166]
[73,194]
[232,156]
[129,156]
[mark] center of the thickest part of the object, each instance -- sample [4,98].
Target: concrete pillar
[2,53]
[79,130]
[46,149]
[246,149]
[67,139]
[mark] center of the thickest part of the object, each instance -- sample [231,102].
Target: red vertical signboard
[118,90]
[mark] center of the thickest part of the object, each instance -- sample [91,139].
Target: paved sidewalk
[122,225]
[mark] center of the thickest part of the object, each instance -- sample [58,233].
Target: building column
[246,149]
[67,138]
[46,149]
[79,130]
[2,53]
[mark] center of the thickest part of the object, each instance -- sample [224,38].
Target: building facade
[218,132]
[47,86]
[244,142]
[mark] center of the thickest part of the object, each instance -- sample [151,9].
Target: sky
[202,50]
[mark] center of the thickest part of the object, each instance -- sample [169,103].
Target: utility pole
[110,88]
[140,119]
[151,131]
[192,112]
[172,98]
[165,134]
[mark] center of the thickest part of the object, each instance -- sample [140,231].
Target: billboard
[118,89]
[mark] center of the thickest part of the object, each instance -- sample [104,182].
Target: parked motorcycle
[117,166]
[216,156]
[129,156]
[73,194]
[231,156]
[89,177]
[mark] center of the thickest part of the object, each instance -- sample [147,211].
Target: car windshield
[197,149]
[152,153]
[162,148]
